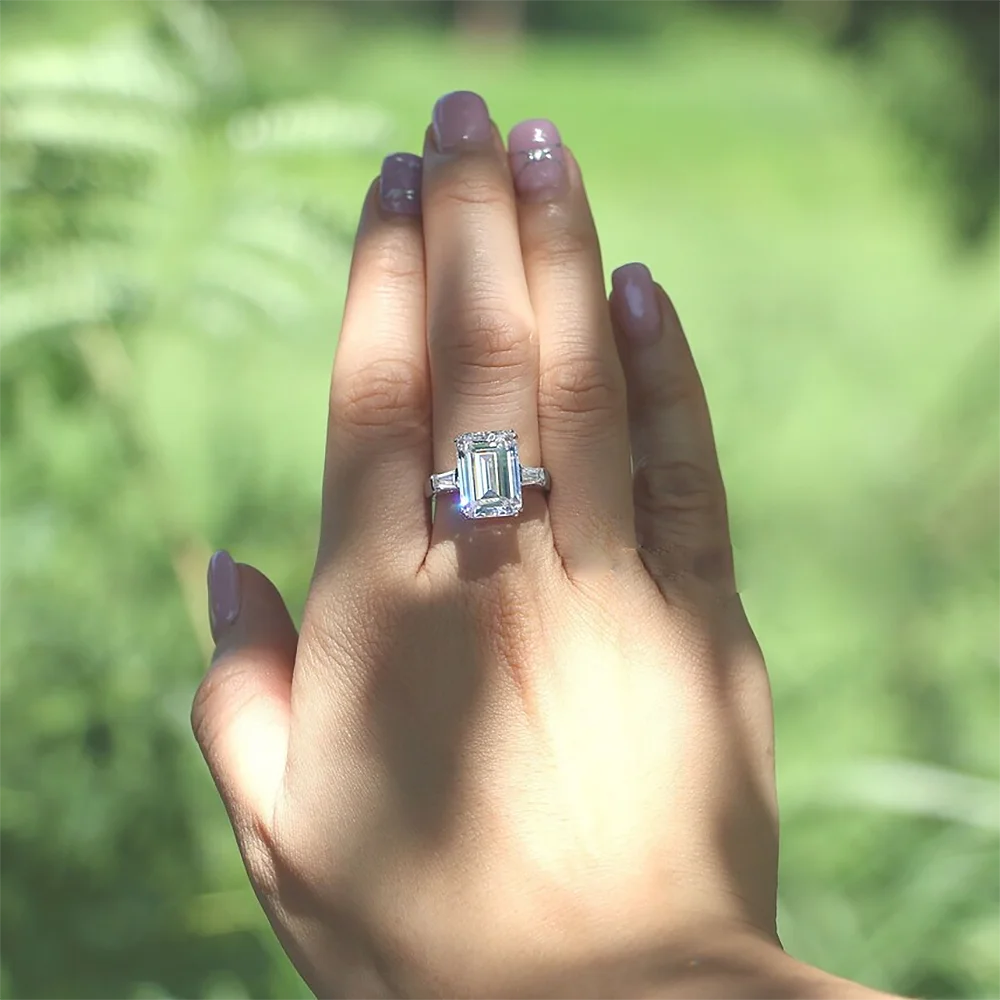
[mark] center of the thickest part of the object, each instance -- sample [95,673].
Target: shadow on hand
[427,687]
[484,547]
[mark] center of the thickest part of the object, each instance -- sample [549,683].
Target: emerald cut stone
[489,474]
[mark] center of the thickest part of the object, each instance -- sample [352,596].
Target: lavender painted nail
[399,184]
[460,118]
[536,160]
[223,591]
[635,304]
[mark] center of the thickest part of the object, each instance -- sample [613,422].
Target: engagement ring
[488,477]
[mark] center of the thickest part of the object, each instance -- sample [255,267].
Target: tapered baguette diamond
[489,474]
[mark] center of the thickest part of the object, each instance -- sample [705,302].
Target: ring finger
[480,326]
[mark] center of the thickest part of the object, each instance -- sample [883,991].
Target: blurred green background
[815,184]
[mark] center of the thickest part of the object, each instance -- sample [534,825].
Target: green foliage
[573,17]
[601,18]
[148,198]
[941,58]
[178,191]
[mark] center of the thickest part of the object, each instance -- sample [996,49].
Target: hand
[519,756]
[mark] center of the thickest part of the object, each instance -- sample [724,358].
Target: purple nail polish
[635,304]
[536,160]
[460,118]
[399,184]
[223,591]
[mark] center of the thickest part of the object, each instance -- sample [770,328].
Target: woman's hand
[518,756]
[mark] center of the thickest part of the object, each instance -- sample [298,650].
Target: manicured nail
[636,306]
[460,118]
[536,160]
[223,591]
[399,184]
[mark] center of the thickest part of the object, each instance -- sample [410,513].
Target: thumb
[241,711]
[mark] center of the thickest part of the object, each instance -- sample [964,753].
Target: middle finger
[480,327]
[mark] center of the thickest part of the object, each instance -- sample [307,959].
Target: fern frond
[205,42]
[121,68]
[246,275]
[66,289]
[282,232]
[61,122]
[308,126]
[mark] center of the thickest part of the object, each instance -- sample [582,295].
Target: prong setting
[489,474]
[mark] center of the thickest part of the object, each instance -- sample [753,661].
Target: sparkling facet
[489,474]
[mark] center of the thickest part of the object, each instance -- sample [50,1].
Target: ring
[488,476]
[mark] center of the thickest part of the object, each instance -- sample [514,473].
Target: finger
[241,711]
[680,502]
[483,353]
[582,412]
[378,439]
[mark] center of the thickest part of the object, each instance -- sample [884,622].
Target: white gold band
[447,482]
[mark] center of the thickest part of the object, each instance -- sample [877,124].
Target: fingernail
[399,184]
[223,591]
[536,160]
[635,301]
[459,118]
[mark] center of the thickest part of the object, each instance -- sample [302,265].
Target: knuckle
[277,853]
[398,264]
[203,709]
[389,394]
[682,572]
[200,716]
[226,690]
[475,189]
[684,534]
[677,487]
[488,343]
[264,858]
[223,692]
[673,391]
[561,248]
[580,386]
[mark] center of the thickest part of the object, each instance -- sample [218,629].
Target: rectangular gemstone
[489,474]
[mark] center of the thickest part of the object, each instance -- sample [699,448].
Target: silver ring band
[447,482]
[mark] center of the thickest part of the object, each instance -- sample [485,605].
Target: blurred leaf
[911,788]
[70,288]
[211,56]
[310,125]
[121,68]
[71,125]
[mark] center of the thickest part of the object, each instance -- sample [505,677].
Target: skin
[522,757]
